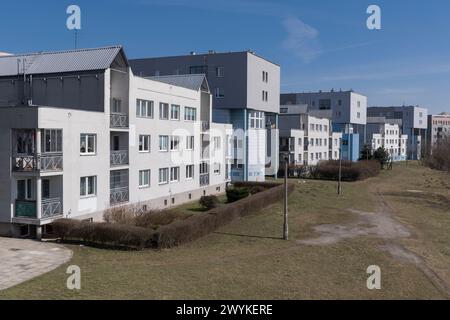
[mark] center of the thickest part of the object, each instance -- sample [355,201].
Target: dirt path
[380,224]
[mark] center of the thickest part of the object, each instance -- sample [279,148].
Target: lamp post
[285,224]
[339,189]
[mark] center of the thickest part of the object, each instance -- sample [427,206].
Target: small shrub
[209,202]
[235,194]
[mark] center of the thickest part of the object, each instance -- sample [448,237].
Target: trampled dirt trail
[380,224]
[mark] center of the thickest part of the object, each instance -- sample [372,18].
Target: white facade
[152,146]
[439,128]
[391,139]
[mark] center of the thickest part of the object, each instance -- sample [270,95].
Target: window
[220,72]
[190,114]
[144,108]
[144,143]
[144,178]
[88,186]
[175,112]
[311,126]
[265,96]
[190,172]
[116,105]
[324,104]
[284,110]
[163,143]
[299,141]
[198,70]
[51,140]
[358,115]
[359,104]
[265,76]
[204,168]
[216,168]
[174,174]
[256,119]
[88,143]
[190,143]
[219,93]
[174,143]
[163,111]
[163,175]
[340,102]
[24,189]
[216,143]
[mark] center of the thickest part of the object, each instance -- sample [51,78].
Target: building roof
[59,61]
[189,81]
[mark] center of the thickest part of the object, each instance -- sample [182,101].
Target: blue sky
[319,44]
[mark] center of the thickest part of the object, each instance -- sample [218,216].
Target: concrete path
[22,260]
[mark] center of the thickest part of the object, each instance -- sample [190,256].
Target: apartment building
[346,109]
[246,90]
[412,121]
[306,139]
[438,128]
[388,136]
[80,133]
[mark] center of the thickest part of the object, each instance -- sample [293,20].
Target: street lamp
[285,223]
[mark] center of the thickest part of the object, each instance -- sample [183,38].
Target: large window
[174,174]
[324,104]
[88,144]
[174,143]
[175,112]
[198,70]
[51,140]
[256,119]
[220,93]
[144,108]
[163,175]
[88,186]
[163,143]
[163,111]
[144,143]
[144,178]
[190,114]
[24,189]
[190,172]
[190,143]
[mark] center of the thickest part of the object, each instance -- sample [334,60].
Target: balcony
[205,126]
[118,195]
[119,120]
[37,162]
[119,157]
[49,208]
[204,179]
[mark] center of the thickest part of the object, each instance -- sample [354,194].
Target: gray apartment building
[246,90]
[438,128]
[412,121]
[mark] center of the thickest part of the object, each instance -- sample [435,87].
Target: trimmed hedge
[350,171]
[236,194]
[176,233]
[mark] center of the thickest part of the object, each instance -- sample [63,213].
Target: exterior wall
[439,128]
[389,137]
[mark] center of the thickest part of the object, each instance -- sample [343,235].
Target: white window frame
[190,114]
[165,140]
[217,142]
[219,93]
[85,181]
[84,137]
[146,105]
[190,142]
[172,174]
[190,172]
[165,175]
[175,111]
[171,143]
[142,175]
[163,111]
[142,138]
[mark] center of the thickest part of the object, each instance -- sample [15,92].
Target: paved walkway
[22,260]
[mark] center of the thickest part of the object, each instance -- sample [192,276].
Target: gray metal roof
[59,61]
[189,81]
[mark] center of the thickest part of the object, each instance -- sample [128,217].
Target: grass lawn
[248,260]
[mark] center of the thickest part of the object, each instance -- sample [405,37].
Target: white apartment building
[388,136]
[80,134]
[307,139]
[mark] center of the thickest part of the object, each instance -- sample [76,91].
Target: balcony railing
[38,162]
[118,195]
[118,120]
[119,157]
[25,209]
[204,179]
[51,208]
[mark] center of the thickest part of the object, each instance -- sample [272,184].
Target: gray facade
[244,86]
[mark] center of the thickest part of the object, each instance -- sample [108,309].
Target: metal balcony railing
[205,126]
[204,179]
[118,120]
[118,195]
[38,162]
[51,208]
[25,209]
[119,157]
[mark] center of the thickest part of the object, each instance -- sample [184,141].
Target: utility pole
[339,189]
[285,225]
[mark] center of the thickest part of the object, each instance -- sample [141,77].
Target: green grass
[248,260]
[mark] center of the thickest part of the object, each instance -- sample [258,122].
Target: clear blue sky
[320,44]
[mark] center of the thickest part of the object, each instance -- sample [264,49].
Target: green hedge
[176,233]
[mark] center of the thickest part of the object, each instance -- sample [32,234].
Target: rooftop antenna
[76,37]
